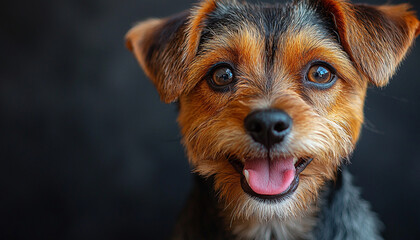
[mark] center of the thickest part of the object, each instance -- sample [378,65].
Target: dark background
[87,150]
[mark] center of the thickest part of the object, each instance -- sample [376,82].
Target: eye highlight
[320,75]
[221,77]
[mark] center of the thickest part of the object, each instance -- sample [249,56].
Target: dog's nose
[268,127]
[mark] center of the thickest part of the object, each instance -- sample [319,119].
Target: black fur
[344,214]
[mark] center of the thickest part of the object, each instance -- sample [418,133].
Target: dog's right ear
[165,48]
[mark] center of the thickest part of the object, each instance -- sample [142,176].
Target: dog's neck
[205,213]
[294,228]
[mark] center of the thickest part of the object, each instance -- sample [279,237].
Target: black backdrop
[88,150]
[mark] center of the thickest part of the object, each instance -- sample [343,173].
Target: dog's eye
[222,76]
[321,75]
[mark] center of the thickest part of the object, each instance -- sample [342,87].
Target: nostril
[281,126]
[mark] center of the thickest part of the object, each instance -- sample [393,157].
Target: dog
[270,108]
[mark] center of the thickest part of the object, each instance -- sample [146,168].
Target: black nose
[268,127]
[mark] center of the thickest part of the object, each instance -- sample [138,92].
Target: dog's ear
[376,38]
[165,48]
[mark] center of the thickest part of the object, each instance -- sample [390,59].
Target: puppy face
[306,65]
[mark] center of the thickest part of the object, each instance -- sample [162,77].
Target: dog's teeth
[246,174]
[295,159]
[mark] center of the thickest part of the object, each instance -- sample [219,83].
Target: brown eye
[319,74]
[222,76]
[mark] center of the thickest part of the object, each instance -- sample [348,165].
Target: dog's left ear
[376,38]
[165,48]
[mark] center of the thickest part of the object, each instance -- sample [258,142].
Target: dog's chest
[275,229]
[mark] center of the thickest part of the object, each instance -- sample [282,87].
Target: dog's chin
[270,181]
[245,207]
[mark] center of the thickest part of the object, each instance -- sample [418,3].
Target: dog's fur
[270,48]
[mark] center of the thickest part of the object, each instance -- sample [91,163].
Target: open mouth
[270,179]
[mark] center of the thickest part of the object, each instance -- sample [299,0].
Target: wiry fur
[344,215]
[270,46]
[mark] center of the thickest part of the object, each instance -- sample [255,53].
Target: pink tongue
[270,177]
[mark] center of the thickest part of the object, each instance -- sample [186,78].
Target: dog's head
[271,96]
